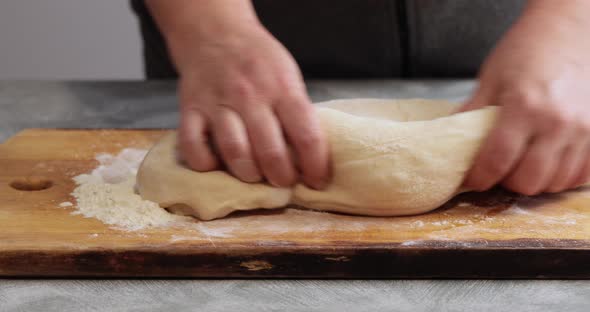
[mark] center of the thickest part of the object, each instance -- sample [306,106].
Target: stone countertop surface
[140,104]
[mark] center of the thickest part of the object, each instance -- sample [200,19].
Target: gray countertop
[26,104]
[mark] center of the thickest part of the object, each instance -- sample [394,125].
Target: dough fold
[389,158]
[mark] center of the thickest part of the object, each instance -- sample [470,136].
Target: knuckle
[192,107]
[537,102]
[502,153]
[256,120]
[560,118]
[238,90]
[188,141]
[299,102]
[309,140]
[292,91]
[496,168]
[501,144]
[272,156]
[542,104]
[535,164]
[232,149]
[524,96]
[290,86]
[250,63]
[196,161]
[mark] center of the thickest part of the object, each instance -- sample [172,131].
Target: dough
[389,158]
[205,195]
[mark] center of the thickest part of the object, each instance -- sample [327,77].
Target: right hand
[240,88]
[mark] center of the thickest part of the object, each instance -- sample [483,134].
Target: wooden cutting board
[488,235]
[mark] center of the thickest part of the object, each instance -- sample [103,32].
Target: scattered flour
[214,231]
[107,194]
[515,209]
[182,238]
[440,223]
[114,169]
[66,204]
[463,222]
[411,243]
[417,224]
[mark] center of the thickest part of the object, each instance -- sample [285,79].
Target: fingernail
[318,185]
[321,185]
[286,182]
[246,169]
[274,184]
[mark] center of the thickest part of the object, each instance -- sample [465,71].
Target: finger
[269,146]
[309,141]
[539,164]
[193,141]
[501,150]
[231,139]
[479,99]
[571,164]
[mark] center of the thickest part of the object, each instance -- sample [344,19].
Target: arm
[539,74]
[187,22]
[241,89]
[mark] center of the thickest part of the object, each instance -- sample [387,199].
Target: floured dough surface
[389,158]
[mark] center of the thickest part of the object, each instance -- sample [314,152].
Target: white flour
[107,194]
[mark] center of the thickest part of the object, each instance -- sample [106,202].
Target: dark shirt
[369,38]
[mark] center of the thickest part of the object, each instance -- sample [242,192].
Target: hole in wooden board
[31,184]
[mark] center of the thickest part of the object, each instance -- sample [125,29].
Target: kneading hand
[539,74]
[240,87]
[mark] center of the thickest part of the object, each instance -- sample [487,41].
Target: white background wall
[69,39]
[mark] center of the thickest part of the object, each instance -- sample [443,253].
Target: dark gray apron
[369,38]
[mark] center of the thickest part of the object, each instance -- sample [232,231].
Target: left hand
[540,75]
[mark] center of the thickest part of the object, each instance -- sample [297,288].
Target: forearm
[566,13]
[185,22]
[176,17]
[551,26]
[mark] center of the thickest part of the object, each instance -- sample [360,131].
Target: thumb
[193,141]
[478,100]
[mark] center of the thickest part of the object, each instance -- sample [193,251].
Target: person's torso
[385,38]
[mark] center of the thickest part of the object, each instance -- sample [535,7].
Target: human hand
[539,75]
[240,87]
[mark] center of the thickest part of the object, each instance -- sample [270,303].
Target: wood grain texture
[492,235]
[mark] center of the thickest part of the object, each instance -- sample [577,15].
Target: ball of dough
[389,158]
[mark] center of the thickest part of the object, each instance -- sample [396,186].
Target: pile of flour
[108,194]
